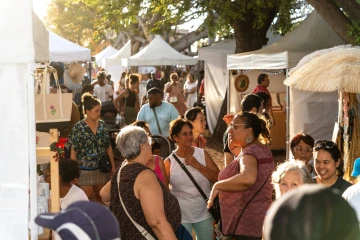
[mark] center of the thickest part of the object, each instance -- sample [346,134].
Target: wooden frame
[241,83]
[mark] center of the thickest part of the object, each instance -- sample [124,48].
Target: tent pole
[32,155]
[287,118]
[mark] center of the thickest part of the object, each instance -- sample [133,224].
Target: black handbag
[105,164]
[215,208]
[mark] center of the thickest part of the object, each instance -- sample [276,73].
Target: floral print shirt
[89,147]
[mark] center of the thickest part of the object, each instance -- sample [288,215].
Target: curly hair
[68,170]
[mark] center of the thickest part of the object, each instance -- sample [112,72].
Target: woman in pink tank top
[244,185]
[156,163]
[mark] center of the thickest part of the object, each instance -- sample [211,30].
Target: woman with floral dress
[89,141]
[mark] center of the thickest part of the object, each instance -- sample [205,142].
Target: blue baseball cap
[82,220]
[356,169]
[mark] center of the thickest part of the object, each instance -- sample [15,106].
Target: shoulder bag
[51,110]
[157,121]
[215,208]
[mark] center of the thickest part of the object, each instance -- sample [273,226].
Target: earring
[248,139]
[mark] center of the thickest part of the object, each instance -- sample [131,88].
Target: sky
[40,7]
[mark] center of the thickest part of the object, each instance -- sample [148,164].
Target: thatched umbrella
[329,70]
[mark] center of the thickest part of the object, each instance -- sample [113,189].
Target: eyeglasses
[300,149]
[324,143]
[46,175]
[234,124]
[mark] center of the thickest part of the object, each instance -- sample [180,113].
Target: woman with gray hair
[289,175]
[144,197]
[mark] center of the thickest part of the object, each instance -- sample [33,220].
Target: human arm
[167,171]
[110,154]
[117,100]
[168,87]
[105,194]
[73,154]
[148,191]
[240,182]
[210,170]
[137,103]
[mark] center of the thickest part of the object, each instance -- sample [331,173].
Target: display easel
[44,152]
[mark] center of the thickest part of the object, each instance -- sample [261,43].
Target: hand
[122,114]
[112,172]
[228,118]
[213,194]
[191,161]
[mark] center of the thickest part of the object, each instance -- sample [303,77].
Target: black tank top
[127,180]
[131,99]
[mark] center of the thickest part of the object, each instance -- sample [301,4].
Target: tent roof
[124,52]
[311,35]
[62,50]
[107,52]
[158,52]
[227,46]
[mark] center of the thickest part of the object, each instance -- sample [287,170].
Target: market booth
[157,53]
[217,75]
[26,42]
[307,109]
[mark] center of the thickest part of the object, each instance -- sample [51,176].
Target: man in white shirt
[103,90]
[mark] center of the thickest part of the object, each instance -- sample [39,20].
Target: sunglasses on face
[324,144]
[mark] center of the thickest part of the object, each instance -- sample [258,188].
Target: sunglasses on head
[324,144]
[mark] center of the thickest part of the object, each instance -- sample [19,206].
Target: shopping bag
[51,110]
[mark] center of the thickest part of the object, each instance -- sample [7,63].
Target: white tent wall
[313,112]
[215,89]
[276,86]
[18,54]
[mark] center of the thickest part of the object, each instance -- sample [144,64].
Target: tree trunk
[182,43]
[334,16]
[247,39]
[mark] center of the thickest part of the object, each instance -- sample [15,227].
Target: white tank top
[192,204]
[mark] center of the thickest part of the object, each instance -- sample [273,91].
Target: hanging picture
[241,83]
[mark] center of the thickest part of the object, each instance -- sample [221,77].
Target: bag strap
[141,229]
[242,212]
[190,176]
[157,121]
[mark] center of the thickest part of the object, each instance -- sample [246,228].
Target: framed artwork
[241,83]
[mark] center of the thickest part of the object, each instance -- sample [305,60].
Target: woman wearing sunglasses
[302,149]
[329,165]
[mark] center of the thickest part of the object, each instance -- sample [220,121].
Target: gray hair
[129,139]
[292,165]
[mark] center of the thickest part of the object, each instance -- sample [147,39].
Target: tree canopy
[343,16]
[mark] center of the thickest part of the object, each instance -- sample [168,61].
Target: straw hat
[76,72]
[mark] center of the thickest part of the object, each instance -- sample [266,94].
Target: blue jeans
[204,229]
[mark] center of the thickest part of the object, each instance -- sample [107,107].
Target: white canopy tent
[25,42]
[217,75]
[62,50]
[314,113]
[113,65]
[158,53]
[107,52]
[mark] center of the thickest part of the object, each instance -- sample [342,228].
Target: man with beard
[157,113]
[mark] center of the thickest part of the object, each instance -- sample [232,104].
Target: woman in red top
[244,187]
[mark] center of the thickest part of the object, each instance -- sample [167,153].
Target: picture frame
[241,83]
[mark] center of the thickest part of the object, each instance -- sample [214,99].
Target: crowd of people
[154,197]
